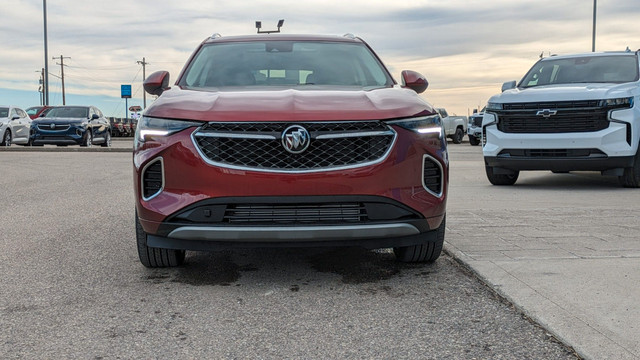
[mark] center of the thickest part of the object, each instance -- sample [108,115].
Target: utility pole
[45,85]
[41,87]
[593,37]
[144,76]
[62,73]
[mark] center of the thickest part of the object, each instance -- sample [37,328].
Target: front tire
[501,179]
[631,177]
[474,141]
[88,139]
[107,140]
[156,257]
[6,138]
[426,252]
[457,137]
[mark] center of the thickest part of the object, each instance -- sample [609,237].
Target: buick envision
[288,140]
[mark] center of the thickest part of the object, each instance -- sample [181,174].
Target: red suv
[288,140]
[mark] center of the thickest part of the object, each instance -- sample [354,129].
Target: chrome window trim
[355,134]
[144,169]
[293,171]
[236,136]
[439,195]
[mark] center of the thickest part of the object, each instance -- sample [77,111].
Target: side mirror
[15,117]
[508,85]
[415,81]
[95,117]
[157,83]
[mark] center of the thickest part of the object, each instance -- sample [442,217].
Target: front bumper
[341,238]
[559,164]
[607,149]
[74,135]
[189,182]
[475,132]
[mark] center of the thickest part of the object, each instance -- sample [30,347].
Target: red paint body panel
[321,104]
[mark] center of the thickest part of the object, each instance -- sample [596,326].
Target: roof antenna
[259,26]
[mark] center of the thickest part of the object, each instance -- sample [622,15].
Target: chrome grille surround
[257,146]
[57,127]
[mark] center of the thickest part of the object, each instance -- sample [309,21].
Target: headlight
[494,106]
[619,103]
[149,127]
[428,125]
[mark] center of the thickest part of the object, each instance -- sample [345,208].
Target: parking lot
[562,248]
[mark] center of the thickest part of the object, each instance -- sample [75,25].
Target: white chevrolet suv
[569,113]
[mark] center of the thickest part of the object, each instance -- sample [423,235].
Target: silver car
[15,125]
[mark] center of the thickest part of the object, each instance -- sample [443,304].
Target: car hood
[567,92]
[46,120]
[262,104]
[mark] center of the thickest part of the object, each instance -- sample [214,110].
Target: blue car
[72,125]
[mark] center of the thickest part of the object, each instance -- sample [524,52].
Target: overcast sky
[466,49]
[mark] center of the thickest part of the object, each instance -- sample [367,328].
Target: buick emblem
[546,113]
[53,126]
[295,139]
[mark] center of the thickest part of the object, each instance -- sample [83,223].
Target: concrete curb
[463,260]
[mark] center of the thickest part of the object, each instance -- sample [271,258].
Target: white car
[15,126]
[569,113]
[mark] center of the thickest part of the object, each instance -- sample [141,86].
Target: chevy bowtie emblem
[546,112]
[295,139]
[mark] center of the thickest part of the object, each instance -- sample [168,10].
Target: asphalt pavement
[72,285]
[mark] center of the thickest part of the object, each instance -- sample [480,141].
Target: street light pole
[593,36]
[45,86]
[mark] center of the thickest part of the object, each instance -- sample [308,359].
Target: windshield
[285,63]
[590,69]
[33,110]
[4,112]
[69,112]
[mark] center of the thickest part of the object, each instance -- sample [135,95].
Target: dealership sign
[125,91]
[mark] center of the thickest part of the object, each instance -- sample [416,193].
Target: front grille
[258,146]
[296,214]
[56,127]
[552,153]
[432,176]
[152,179]
[570,116]
[322,210]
